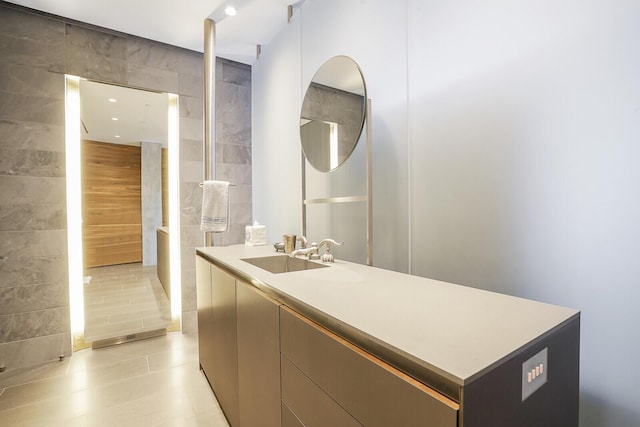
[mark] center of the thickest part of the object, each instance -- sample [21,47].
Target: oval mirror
[333,113]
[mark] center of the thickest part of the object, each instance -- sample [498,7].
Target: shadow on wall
[595,412]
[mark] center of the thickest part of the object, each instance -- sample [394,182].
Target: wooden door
[111,208]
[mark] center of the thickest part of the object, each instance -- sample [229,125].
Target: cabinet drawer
[373,392]
[224,344]
[289,419]
[205,315]
[310,405]
[258,329]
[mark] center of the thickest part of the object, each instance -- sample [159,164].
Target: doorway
[115,124]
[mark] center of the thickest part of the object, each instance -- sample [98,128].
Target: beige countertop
[457,332]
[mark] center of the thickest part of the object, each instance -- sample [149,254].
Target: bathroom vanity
[351,345]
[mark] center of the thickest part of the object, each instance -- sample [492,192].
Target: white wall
[275,142]
[282,74]
[509,134]
[353,28]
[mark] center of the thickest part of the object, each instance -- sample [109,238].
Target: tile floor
[124,299]
[154,382]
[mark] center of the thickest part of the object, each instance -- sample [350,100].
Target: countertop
[454,331]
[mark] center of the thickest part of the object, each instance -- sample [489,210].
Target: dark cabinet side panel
[495,399]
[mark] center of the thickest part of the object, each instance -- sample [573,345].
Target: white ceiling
[180,23]
[141,115]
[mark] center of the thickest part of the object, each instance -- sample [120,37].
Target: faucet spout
[306,251]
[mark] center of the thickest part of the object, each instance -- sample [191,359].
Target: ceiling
[180,23]
[141,116]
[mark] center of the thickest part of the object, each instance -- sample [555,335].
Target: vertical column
[151,195]
[209,104]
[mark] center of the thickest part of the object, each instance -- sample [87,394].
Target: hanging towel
[215,206]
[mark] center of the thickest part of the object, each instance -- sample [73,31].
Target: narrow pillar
[209,106]
[151,199]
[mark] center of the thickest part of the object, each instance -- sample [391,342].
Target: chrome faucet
[312,252]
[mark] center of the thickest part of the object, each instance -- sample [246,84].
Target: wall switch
[534,373]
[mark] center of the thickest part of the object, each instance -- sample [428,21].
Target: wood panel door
[111,207]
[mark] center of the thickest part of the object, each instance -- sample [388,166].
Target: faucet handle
[329,243]
[328,256]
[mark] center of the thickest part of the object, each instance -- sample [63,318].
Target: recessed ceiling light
[117,136]
[230,11]
[113,100]
[115,119]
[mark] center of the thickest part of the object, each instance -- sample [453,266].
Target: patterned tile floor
[124,299]
[154,382]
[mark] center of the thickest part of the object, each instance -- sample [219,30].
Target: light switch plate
[534,373]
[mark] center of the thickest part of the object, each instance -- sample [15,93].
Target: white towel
[215,206]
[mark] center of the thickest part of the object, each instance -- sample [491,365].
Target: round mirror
[333,113]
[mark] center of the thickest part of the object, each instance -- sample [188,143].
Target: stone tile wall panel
[35,51]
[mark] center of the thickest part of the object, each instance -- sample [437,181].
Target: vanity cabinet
[325,376]
[239,346]
[322,348]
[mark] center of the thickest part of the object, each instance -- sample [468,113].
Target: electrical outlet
[534,373]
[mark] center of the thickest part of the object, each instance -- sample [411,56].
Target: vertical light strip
[209,152]
[333,145]
[175,264]
[74,205]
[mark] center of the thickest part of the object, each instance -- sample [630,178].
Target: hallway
[124,299]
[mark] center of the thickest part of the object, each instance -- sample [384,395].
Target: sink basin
[283,263]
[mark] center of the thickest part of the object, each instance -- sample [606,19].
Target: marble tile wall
[35,52]
[34,307]
[233,163]
[151,195]
[233,143]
